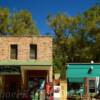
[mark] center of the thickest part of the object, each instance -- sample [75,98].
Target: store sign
[63,91]
[4,70]
[56,92]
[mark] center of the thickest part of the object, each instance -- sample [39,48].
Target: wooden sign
[63,91]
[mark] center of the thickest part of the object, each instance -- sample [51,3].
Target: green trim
[75,80]
[26,62]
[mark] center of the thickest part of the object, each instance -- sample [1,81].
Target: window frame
[33,48]
[92,79]
[12,47]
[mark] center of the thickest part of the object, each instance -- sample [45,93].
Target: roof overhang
[26,62]
[80,71]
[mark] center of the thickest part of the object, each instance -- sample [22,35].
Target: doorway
[12,83]
[36,82]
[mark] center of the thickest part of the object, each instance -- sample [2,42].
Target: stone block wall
[44,47]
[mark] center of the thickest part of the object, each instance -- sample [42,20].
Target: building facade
[24,61]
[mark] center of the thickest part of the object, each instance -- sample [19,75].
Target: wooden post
[51,74]
[63,91]
[23,79]
[1,83]
[86,87]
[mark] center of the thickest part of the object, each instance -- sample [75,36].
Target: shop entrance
[36,77]
[36,82]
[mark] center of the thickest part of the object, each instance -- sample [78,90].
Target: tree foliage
[87,31]
[77,39]
[59,25]
[19,23]
[4,21]
[22,24]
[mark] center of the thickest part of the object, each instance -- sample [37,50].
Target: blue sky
[41,8]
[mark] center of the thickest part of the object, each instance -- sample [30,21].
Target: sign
[63,91]
[8,70]
[56,92]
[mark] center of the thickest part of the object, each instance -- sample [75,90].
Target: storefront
[24,76]
[83,78]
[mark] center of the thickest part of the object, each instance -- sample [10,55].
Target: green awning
[77,72]
[26,62]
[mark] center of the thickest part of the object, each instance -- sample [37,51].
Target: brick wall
[44,47]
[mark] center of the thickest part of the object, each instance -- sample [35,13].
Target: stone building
[25,60]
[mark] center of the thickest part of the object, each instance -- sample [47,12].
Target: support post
[51,74]
[86,87]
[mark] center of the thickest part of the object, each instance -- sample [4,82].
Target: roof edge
[26,36]
[81,63]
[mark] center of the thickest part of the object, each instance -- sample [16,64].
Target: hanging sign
[56,92]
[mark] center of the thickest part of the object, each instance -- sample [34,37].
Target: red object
[26,97]
[51,97]
[48,88]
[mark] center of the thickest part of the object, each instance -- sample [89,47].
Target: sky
[41,8]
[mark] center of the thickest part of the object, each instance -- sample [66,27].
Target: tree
[93,19]
[4,21]
[87,33]
[77,39]
[19,23]
[59,24]
[23,24]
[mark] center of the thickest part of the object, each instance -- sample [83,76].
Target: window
[33,51]
[13,52]
[92,86]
